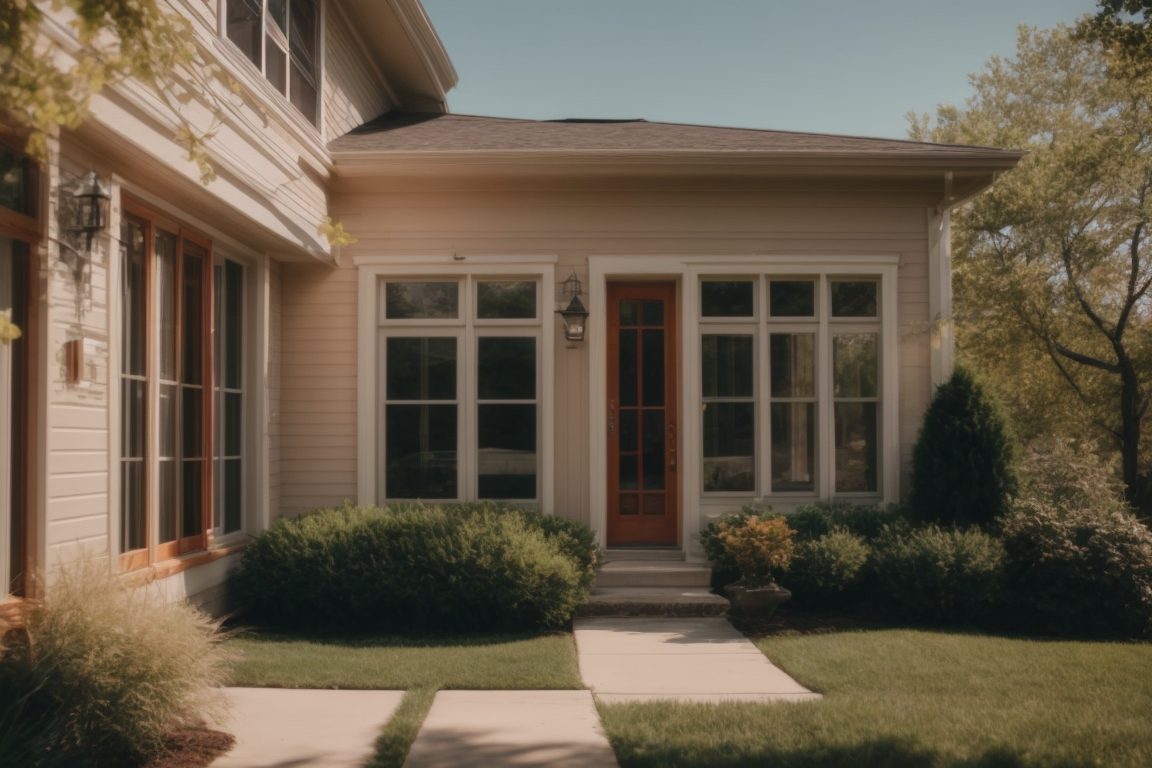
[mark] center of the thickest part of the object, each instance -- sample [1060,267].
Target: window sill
[172,566]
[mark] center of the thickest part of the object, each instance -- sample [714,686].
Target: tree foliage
[1053,265]
[962,465]
[46,85]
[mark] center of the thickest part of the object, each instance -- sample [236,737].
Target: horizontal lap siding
[353,91]
[319,406]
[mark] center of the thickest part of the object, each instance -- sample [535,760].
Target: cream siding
[319,406]
[354,90]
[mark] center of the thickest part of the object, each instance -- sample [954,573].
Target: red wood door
[643,476]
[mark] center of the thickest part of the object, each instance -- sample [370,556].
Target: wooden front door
[643,476]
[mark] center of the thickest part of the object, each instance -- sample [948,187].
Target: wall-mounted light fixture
[84,219]
[574,315]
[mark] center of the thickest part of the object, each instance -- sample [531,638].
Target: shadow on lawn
[352,640]
[881,753]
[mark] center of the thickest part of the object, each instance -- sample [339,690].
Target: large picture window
[181,396]
[459,387]
[282,39]
[779,357]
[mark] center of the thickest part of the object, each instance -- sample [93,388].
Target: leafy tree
[962,465]
[1125,27]
[1053,265]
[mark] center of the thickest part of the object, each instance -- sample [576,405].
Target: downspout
[942,355]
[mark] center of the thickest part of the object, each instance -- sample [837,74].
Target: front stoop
[638,584]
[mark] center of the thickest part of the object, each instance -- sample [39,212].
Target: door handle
[671,430]
[611,416]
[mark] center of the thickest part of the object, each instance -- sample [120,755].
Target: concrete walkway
[304,728]
[682,659]
[621,660]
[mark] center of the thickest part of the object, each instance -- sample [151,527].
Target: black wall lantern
[574,315]
[92,202]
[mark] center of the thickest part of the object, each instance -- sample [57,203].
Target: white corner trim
[942,354]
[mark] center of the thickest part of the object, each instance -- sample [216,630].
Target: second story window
[281,37]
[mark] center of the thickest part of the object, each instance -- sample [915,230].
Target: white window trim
[687,270]
[257,474]
[374,269]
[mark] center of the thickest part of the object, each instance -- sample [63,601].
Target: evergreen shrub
[828,571]
[939,575]
[962,464]
[480,567]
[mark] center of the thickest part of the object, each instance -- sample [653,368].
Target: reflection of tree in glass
[506,300]
[422,301]
[854,364]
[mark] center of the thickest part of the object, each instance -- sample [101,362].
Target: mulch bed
[193,748]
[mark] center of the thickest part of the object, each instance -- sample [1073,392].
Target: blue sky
[838,66]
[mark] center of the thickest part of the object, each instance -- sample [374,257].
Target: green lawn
[420,666]
[470,663]
[907,699]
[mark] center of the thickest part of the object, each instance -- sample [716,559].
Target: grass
[902,698]
[420,666]
[405,663]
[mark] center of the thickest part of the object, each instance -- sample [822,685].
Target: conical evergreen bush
[962,466]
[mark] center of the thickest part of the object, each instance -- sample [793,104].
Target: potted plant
[760,547]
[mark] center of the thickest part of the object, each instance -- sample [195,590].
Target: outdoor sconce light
[574,315]
[87,217]
[92,202]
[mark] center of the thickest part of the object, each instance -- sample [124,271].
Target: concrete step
[653,573]
[643,553]
[653,601]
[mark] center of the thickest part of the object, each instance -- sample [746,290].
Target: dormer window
[281,37]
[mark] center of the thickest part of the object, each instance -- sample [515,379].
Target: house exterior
[768,311]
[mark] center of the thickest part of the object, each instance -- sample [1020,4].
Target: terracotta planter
[757,602]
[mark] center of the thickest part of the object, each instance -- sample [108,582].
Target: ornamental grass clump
[760,547]
[101,674]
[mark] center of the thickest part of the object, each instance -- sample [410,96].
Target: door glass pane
[792,298]
[191,423]
[506,456]
[132,414]
[727,299]
[856,431]
[421,301]
[133,297]
[653,377]
[233,427]
[132,506]
[421,368]
[654,450]
[727,365]
[233,494]
[191,496]
[166,415]
[729,447]
[652,312]
[169,499]
[628,430]
[167,299]
[192,315]
[629,472]
[506,300]
[506,368]
[793,447]
[853,298]
[233,324]
[420,445]
[855,364]
[629,373]
[792,360]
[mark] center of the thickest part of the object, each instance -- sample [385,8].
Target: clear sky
[837,66]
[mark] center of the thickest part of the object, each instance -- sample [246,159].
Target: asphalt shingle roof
[427,132]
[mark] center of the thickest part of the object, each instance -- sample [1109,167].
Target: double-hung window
[282,39]
[181,391]
[459,388]
[789,383]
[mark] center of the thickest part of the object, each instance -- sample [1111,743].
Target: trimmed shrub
[962,465]
[761,547]
[1078,571]
[939,575]
[416,568]
[828,571]
[811,521]
[102,674]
